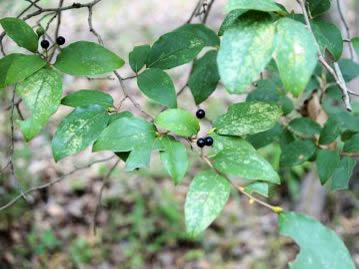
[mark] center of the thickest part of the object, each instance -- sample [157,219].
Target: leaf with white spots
[248,118]
[246,49]
[320,247]
[257,187]
[41,94]
[79,130]
[206,197]
[235,156]
[260,5]
[295,55]
[129,134]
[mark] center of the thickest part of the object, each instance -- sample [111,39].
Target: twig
[346,26]
[99,200]
[47,185]
[92,29]
[195,11]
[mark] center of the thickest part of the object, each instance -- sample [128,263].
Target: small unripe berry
[200,113]
[40,31]
[209,141]
[201,142]
[45,44]
[60,40]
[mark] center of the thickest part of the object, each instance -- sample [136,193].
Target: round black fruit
[200,113]
[60,40]
[201,142]
[209,141]
[45,44]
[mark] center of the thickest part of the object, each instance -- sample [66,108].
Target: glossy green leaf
[295,55]
[203,32]
[246,49]
[206,197]
[235,156]
[327,161]
[138,57]
[79,130]
[174,158]
[267,91]
[116,116]
[318,7]
[248,118]
[305,127]
[158,85]
[355,43]
[297,152]
[329,37]
[260,5]
[21,33]
[16,67]
[342,175]
[330,132]
[41,94]
[230,20]
[174,49]
[320,247]
[352,145]
[265,138]
[204,77]
[257,187]
[129,134]
[85,58]
[178,121]
[88,97]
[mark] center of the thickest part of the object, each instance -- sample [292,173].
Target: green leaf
[79,130]
[268,92]
[349,69]
[235,156]
[208,36]
[245,50]
[204,77]
[318,7]
[297,152]
[355,43]
[329,37]
[352,145]
[330,132]
[129,134]
[174,158]
[178,121]
[327,161]
[230,20]
[206,197]
[247,118]
[88,97]
[265,138]
[21,33]
[120,115]
[16,67]
[260,5]
[138,57]
[157,85]
[258,187]
[305,127]
[85,58]
[41,93]
[174,49]
[342,175]
[295,55]
[319,246]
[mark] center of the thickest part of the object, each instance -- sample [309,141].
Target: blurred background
[142,222]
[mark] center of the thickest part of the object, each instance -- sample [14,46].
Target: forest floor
[141,224]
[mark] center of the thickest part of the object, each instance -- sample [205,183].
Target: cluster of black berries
[45,44]
[207,141]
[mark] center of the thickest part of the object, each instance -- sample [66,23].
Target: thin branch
[346,26]
[92,29]
[195,11]
[51,183]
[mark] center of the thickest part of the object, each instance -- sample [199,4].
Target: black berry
[45,44]
[209,141]
[200,113]
[201,142]
[60,40]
